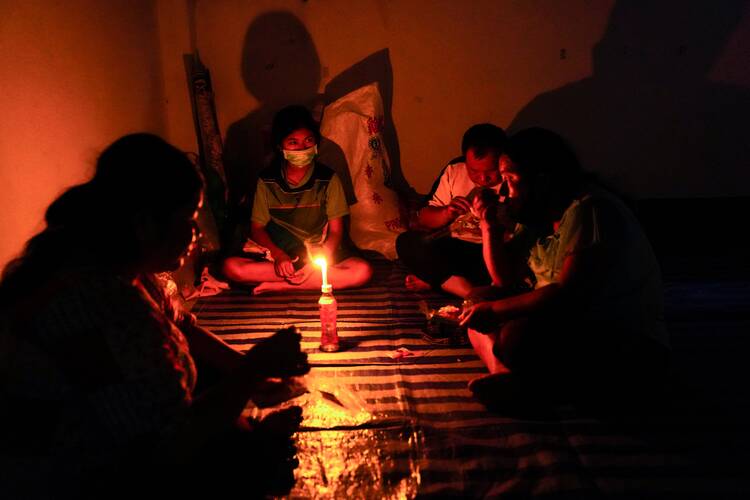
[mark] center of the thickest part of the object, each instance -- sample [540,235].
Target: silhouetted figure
[649,120]
[99,369]
[593,324]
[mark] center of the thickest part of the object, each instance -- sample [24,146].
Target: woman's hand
[485,204]
[302,274]
[283,265]
[481,317]
[279,356]
[491,212]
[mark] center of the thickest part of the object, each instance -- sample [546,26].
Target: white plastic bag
[355,123]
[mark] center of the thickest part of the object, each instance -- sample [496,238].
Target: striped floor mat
[379,424]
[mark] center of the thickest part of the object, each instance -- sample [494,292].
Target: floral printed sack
[355,123]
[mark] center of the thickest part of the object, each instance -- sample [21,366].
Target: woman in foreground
[98,372]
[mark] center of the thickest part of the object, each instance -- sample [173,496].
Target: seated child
[298,215]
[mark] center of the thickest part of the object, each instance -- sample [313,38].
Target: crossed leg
[349,273]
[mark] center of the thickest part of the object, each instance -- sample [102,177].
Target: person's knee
[509,346]
[362,271]
[231,268]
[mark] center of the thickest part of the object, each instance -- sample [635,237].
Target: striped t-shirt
[296,214]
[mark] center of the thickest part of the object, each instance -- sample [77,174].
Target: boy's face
[298,140]
[484,171]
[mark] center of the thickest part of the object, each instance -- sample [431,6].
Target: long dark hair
[95,223]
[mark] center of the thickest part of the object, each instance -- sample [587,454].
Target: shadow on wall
[280,66]
[649,122]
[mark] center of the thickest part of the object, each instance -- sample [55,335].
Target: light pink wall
[75,76]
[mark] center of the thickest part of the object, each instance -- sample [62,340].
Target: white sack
[355,123]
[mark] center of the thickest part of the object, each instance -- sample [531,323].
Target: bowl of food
[443,325]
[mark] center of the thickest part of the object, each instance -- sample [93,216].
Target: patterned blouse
[628,291]
[93,369]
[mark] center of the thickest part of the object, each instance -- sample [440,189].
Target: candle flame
[320,261]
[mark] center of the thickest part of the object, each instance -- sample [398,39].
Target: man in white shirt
[447,252]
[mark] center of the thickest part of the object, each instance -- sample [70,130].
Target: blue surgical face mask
[302,157]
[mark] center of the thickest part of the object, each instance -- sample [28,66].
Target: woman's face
[298,140]
[174,237]
[511,177]
[515,186]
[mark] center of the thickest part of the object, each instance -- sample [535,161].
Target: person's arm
[503,264]
[495,255]
[486,316]
[261,216]
[433,217]
[334,237]
[577,281]
[211,349]
[281,261]
[443,207]
[219,408]
[336,209]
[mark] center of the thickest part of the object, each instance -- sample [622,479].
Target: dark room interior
[652,97]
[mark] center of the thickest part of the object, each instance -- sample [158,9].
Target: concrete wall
[453,63]
[75,76]
[653,95]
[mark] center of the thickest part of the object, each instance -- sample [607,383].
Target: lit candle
[321,262]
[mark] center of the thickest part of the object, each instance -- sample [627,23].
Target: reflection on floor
[389,416]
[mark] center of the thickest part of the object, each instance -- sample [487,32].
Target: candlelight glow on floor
[346,450]
[365,463]
[320,413]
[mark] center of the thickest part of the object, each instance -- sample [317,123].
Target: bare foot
[270,287]
[415,284]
